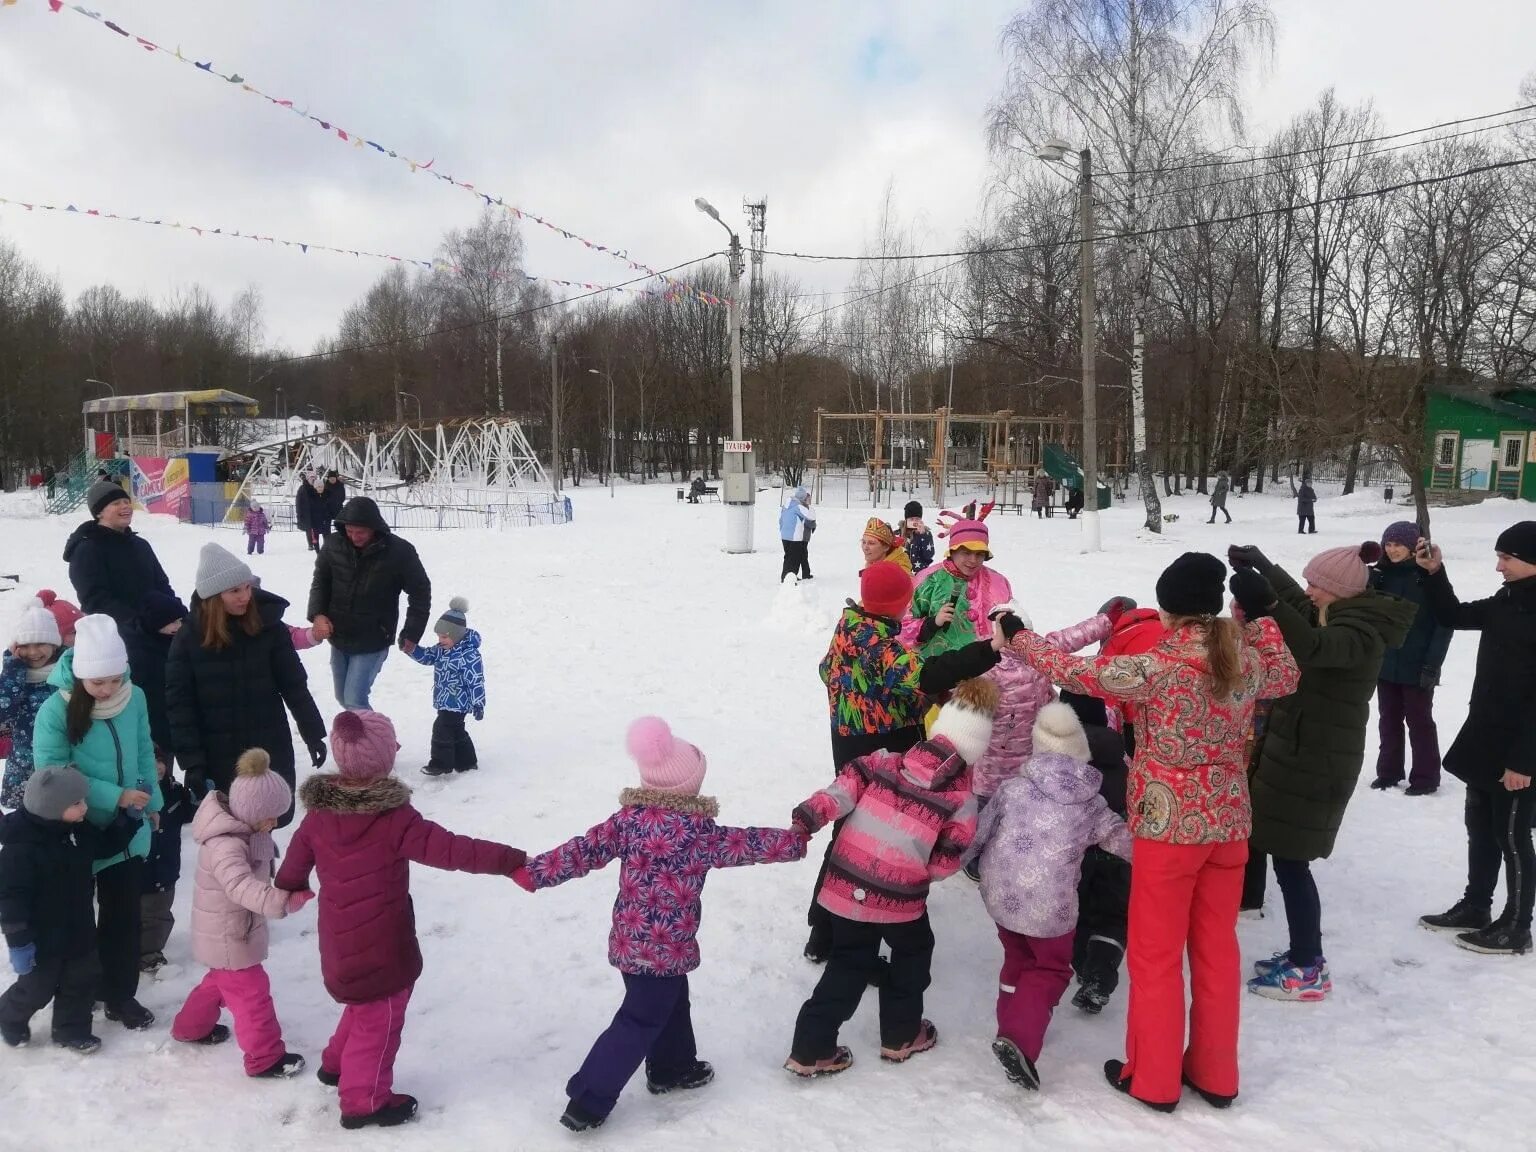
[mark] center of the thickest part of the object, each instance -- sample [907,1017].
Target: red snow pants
[1036,971]
[1184,897]
[247,993]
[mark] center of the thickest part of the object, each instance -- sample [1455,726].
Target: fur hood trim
[656,798]
[326,792]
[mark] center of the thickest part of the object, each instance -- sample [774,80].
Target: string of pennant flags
[673,292]
[357,140]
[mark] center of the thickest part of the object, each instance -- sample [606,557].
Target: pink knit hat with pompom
[1343,571]
[666,763]
[257,793]
[363,745]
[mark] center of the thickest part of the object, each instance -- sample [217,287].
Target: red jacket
[362,840]
[1189,781]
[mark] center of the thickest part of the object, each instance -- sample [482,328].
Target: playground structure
[907,451]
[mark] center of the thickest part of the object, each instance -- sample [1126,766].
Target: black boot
[1017,1066]
[80,1045]
[289,1064]
[1112,1073]
[396,1112]
[217,1035]
[131,1015]
[696,1075]
[1462,917]
[1090,998]
[1214,1099]
[1498,939]
[578,1119]
[328,1078]
[16,1037]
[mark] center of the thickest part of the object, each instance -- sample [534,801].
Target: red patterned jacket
[1189,781]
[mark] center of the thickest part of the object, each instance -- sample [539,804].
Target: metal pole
[554,410]
[1091,537]
[610,435]
[735,322]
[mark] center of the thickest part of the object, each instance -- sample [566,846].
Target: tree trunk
[1149,499]
[1351,467]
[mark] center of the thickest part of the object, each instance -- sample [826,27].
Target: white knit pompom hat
[99,649]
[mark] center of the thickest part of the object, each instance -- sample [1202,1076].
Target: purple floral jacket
[667,843]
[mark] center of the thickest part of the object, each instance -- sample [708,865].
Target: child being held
[1031,840]
[24,670]
[667,839]
[458,688]
[232,901]
[361,834]
[47,850]
[162,867]
[906,820]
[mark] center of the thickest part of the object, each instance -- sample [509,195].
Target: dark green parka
[1315,740]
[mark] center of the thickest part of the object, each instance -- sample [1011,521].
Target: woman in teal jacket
[99,722]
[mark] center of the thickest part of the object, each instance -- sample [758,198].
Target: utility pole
[1091,537]
[740,480]
[554,409]
[757,303]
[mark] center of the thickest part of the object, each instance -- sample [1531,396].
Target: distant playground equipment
[202,456]
[905,452]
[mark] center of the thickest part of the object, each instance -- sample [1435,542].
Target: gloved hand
[1011,626]
[1429,678]
[480,712]
[317,753]
[24,959]
[297,900]
[1242,556]
[1253,593]
[1116,607]
[523,879]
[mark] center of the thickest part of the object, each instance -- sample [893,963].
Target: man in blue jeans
[354,599]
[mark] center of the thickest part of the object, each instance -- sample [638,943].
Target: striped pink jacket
[910,817]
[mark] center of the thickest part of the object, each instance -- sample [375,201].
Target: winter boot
[79,1045]
[1090,998]
[218,1034]
[288,1065]
[819,945]
[578,1119]
[973,871]
[1214,1099]
[1497,940]
[1017,1066]
[131,1015]
[435,769]
[327,1077]
[16,1037]
[1114,1072]
[1420,790]
[927,1036]
[696,1075]
[1462,916]
[1379,785]
[396,1112]
[152,963]
[839,1061]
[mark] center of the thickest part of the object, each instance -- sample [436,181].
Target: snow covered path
[633,609]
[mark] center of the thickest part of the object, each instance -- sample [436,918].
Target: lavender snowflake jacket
[1031,840]
[668,843]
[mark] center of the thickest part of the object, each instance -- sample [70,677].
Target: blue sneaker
[1283,960]
[1287,982]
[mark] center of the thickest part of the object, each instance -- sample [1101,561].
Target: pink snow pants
[247,994]
[1036,971]
[362,1052]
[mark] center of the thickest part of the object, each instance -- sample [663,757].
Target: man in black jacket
[333,498]
[115,572]
[1495,751]
[354,600]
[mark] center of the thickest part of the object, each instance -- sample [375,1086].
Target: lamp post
[411,396]
[738,511]
[1055,151]
[609,377]
[102,384]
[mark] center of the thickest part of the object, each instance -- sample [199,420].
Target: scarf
[40,675]
[113,705]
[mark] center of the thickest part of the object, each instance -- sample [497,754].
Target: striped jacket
[910,818]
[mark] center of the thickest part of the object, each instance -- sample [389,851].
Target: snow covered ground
[634,609]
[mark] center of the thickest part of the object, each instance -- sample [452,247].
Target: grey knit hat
[102,493]
[219,570]
[52,791]
[452,622]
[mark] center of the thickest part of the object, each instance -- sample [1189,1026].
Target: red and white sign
[738,445]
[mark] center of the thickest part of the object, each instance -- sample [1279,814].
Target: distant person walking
[1219,497]
[1306,502]
[796,523]
[306,510]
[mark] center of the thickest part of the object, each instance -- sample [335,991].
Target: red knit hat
[885,590]
[63,611]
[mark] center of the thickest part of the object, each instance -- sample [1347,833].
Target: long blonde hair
[214,619]
[1223,651]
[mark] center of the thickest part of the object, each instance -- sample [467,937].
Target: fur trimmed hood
[327,792]
[655,798]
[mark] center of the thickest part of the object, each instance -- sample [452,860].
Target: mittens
[23,959]
[523,878]
[1116,607]
[1242,556]
[297,900]
[1253,593]
[1011,626]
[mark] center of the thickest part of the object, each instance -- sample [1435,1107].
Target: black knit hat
[913,509]
[1519,541]
[102,493]
[1192,585]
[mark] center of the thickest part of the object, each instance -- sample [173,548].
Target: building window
[1445,449]
[1514,452]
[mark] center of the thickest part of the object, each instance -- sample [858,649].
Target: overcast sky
[606,117]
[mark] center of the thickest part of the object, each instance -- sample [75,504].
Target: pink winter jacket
[1022,692]
[233,897]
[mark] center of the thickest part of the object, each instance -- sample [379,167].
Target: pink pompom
[649,740]
[1370,551]
[47,596]
[348,726]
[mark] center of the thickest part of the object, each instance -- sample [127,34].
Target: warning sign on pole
[738,445]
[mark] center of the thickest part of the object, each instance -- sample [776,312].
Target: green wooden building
[1482,441]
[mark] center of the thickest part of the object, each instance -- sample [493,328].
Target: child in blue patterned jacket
[458,688]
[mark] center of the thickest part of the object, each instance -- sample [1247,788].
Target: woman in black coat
[232,671]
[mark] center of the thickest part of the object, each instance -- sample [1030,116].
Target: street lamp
[410,396]
[1055,151]
[102,384]
[609,377]
[738,512]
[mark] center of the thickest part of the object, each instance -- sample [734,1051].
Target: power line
[1234,218]
[415,336]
